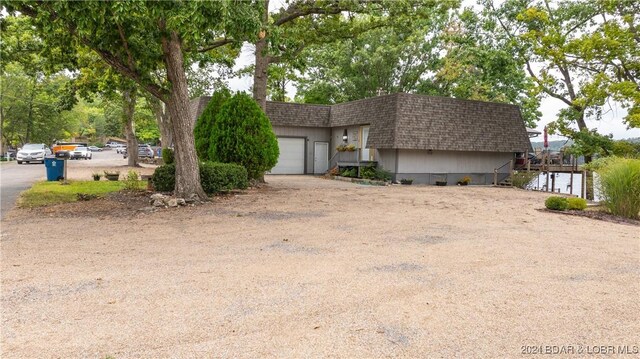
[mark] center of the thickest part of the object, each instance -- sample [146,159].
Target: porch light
[345,137]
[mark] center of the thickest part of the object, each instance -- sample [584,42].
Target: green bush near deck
[619,186]
[577,204]
[523,179]
[214,177]
[556,203]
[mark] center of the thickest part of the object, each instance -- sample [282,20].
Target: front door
[321,157]
[364,151]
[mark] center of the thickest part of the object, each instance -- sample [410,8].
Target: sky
[611,122]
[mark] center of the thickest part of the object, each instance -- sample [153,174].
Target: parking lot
[307,267]
[16,178]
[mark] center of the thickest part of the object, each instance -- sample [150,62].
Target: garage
[291,159]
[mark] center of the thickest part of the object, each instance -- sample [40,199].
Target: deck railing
[507,172]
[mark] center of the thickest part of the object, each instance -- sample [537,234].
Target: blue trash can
[55,168]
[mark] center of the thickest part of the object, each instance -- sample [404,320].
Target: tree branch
[295,10]
[123,69]
[125,43]
[215,44]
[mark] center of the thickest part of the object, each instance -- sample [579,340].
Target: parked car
[113,144]
[11,154]
[81,152]
[121,149]
[143,151]
[33,152]
[95,149]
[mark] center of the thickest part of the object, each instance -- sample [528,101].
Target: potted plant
[96,176]
[350,148]
[112,175]
[341,148]
[464,181]
[406,181]
[441,183]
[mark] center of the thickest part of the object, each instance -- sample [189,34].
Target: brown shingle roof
[408,121]
[442,123]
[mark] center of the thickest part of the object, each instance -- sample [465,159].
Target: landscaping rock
[157,196]
[181,201]
[158,203]
[172,202]
[192,199]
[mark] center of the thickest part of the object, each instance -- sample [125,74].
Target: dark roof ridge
[455,98]
[299,103]
[368,99]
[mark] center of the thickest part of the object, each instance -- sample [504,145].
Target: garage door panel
[291,159]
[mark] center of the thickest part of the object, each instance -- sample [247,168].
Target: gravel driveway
[314,268]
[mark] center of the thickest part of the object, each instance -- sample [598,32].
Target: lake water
[562,183]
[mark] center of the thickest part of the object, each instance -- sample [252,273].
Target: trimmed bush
[214,177]
[204,124]
[577,204]
[619,186]
[220,177]
[242,134]
[167,156]
[556,203]
[164,178]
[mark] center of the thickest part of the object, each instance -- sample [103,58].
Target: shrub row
[557,203]
[214,177]
[375,173]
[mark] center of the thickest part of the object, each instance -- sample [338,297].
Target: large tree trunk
[262,64]
[129,107]
[163,120]
[187,171]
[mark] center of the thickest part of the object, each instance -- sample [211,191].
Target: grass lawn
[47,193]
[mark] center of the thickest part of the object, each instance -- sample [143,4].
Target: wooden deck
[558,168]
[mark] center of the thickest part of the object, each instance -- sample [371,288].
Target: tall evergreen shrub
[242,134]
[204,124]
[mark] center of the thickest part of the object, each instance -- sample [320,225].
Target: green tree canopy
[149,43]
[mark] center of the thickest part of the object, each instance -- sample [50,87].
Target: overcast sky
[611,122]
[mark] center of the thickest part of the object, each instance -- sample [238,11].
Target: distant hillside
[553,145]
[557,145]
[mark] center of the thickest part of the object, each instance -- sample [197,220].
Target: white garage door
[291,160]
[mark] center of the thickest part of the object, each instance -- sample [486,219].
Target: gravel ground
[307,267]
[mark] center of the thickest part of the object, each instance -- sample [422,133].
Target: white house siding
[427,167]
[310,134]
[387,159]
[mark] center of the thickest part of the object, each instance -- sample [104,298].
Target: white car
[33,152]
[121,149]
[80,152]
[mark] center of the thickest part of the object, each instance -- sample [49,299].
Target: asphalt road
[16,178]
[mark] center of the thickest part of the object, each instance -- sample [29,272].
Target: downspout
[395,171]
